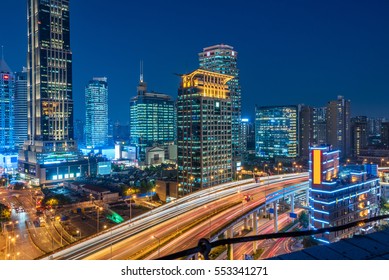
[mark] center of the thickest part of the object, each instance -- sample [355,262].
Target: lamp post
[159,244]
[382,162]
[57,219]
[98,218]
[133,197]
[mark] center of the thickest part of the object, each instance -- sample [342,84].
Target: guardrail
[204,246]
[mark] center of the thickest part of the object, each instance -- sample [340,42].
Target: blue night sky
[290,52]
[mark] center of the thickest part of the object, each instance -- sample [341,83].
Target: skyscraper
[20,108]
[7,92]
[79,132]
[96,103]
[306,130]
[359,135]
[50,153]
[203,130]
[319,125]
[152,119]
[338,125]
[276,131]
[223,59]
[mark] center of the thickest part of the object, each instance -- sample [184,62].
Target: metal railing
[204,246]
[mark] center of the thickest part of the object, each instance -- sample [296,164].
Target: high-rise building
[359,134]
[7,93]
[248,137]
[224,59]
[152,119]
[203,130]
[306,130]
[374,126]
[276,131]
[385,135]
[20,108]
[96,124]
[340,195]
[50,154]
[319,125]
[79,132]
[338,125]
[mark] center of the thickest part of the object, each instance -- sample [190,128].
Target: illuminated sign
[6,77]
[316,166]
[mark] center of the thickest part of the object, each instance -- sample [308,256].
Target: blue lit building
[152,120]
[7,92]
[276,131]
[96,104]
[20,108]
[50,154]
[340,195]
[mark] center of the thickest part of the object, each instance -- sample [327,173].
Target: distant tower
[20,108]
[338,125]
[203,130]
[7,87]
[223,59]
[96,99]
[152,118]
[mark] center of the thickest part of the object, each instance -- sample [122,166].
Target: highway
[147,231]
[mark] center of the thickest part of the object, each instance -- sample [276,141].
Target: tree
[309,241]
[5,213]
[303,219]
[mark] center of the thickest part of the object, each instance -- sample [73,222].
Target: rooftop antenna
[2,52]
[141,71]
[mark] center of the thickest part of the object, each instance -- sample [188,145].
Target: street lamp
[133,197]
[98,217]
[159,243]
[382,160]
[57,218]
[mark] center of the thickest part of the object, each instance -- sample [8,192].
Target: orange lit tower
[203,130]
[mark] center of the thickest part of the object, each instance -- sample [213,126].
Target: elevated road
[148,231]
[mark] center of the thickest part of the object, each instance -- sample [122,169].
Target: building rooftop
[4,68]
[373,246]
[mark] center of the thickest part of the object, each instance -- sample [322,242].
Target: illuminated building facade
[338,125]
[96,104]
[359,135]
[224,59]
[50,154]
[20,108]
[319,126]
[7,92]
[340,195]
[203,130]
[152,120]
[276,131]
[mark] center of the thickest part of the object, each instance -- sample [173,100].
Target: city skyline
[300,53]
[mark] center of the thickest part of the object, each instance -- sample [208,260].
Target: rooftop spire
[141,71]
[2,52]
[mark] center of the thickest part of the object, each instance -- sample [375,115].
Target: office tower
[7,92]
[306,130]
[385,135]
[248,137]
[50,154]
[79,132]
[359,134]
[374,126]
[319,125]
[338,125]
[20,108]
[340,195]
[121,132]
[110,137]
[152,119]
[96,124]
[223,59]
[276,131]
[203,130]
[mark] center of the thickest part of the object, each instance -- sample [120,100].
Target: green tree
[5,213]
[303,219]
